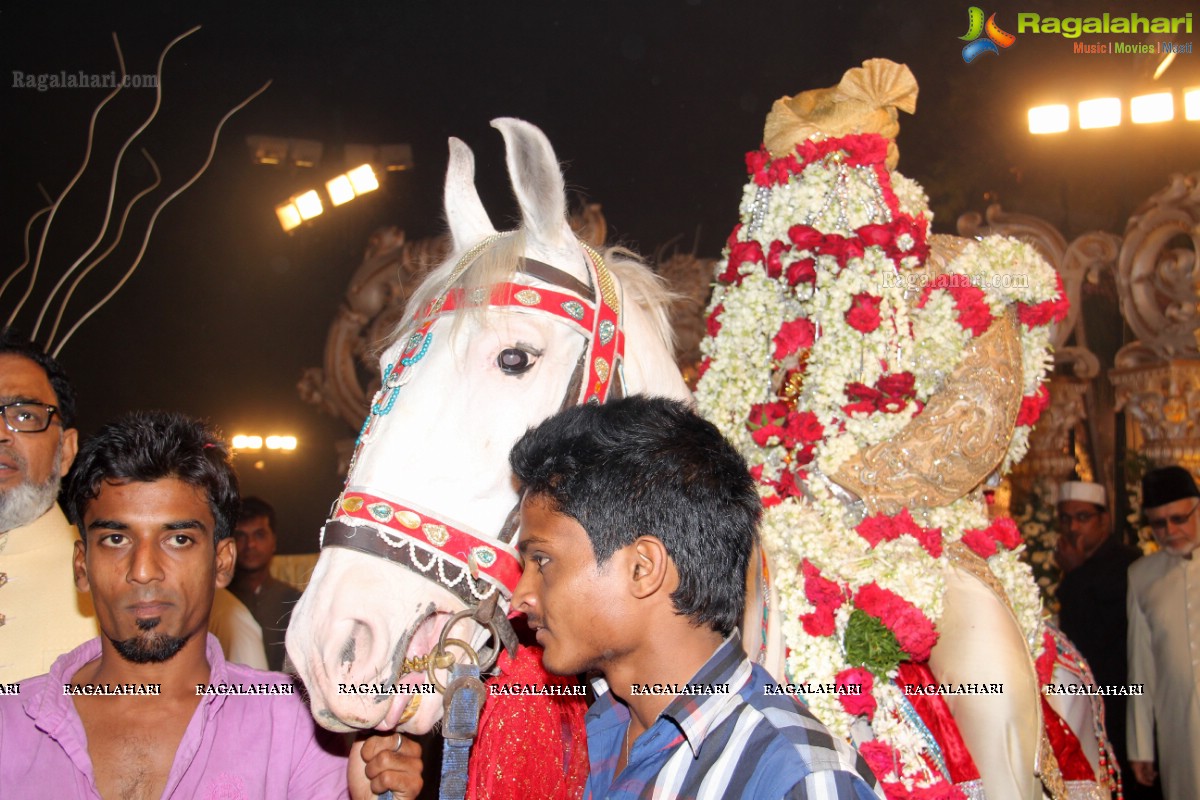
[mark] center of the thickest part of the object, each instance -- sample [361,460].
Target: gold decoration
[608,288]
[528,297]
[866,101]
[1049,772]
[436,533]
[409,519]
[602,369]
[957,441]
[352,504]
[790,393]
[410,710]
[973,564]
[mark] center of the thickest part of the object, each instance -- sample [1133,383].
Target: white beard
[25,503]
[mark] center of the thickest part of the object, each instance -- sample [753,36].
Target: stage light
[281,442]
[1157,107]
[289,216]
[363,179]
[340,190]
[305,152]
[1191,104]
[268,150]
[309,204]
[1103,112]
[394,157]
[1049,119]
[243,442]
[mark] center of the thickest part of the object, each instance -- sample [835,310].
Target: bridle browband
[468,563]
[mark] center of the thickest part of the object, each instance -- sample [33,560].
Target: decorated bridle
[466,562]
[477,569]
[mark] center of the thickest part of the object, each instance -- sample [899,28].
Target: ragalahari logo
[976,46]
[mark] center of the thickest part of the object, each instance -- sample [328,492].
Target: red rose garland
[792,261]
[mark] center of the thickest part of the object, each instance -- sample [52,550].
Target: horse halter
[469,564]
[476,568]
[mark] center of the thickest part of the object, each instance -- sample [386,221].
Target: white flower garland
[926,339]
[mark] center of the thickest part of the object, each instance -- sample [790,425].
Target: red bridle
[467,562]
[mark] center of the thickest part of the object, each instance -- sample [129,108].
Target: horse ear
[469,222]
[537,181]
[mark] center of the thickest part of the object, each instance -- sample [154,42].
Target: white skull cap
[1084,492]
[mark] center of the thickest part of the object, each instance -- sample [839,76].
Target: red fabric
[1072,763]
[934,713]
[529,745]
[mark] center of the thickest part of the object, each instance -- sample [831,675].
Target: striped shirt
[739,743]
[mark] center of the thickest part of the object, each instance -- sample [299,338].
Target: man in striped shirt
[637,522]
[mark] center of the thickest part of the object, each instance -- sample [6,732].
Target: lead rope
[463,700]
[464,704]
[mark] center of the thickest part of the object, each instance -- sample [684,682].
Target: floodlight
[1049,119]
[289,216]
[1103,112]
[1157,107]
[363,179]
[309,204]
[340,190]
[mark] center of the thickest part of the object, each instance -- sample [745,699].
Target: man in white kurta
[1164,639]
[42,615]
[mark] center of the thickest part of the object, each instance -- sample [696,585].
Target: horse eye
[514,361]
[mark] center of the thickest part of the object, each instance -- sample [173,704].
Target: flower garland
[827,333]
[1038,523]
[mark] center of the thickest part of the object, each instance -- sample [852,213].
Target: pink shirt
[236,747]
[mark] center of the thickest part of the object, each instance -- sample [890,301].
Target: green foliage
[871,644]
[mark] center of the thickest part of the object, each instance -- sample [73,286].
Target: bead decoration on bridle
[472,565]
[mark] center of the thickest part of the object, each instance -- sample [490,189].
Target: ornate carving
[957,441]
[1157,277]
[1163,400]
[1050,455]
[374,301]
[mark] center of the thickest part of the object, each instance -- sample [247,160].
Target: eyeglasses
[1176,520]
[1083,517]
[28,417]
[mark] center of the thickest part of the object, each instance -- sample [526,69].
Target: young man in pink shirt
[151,709]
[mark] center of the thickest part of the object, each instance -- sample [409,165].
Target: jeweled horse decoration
[875,377]
[510,329]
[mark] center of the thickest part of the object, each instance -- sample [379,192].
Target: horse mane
[645,288]
[501,258]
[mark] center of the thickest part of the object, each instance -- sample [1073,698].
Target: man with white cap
[1164,638]
[1092,594]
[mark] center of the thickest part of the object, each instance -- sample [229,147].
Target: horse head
[508,330]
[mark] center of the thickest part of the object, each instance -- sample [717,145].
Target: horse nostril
[348,650]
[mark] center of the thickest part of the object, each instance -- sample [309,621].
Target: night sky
[650,105]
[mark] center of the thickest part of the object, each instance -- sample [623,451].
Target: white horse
[510,329]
